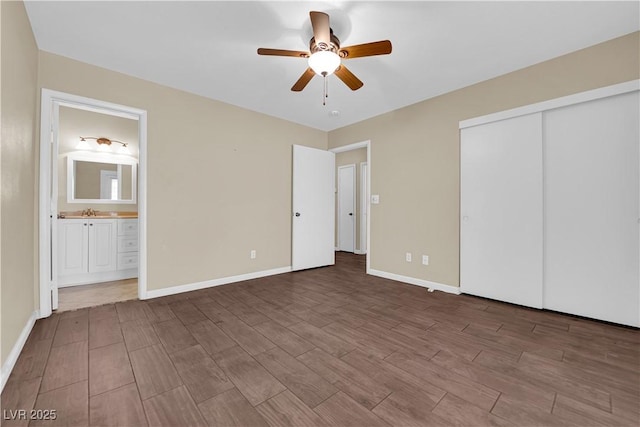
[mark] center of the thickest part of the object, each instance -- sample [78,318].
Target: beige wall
[73,124]
[17,153]
[219,176]
[347,158]
[415,153]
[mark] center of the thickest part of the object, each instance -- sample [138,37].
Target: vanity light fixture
[103,144]
[124,150]
[83,145]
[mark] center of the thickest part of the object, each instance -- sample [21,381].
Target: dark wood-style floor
[329,346]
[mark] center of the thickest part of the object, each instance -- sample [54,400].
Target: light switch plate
[375,199]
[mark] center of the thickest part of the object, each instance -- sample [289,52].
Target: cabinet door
[501,210]
[592,209]
[73,246]
[103,235]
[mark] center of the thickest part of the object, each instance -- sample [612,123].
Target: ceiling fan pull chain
[326,88]
[324,94]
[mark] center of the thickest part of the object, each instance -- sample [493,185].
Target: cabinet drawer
[127,244]
[127,261]
[127,227]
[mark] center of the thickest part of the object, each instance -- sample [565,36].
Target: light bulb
[83,145]
[324,62]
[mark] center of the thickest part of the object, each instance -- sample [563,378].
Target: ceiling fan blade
[304,79]
[321,28]
[282,52]
[348,78]
[367,49]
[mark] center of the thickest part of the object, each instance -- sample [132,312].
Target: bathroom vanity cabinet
[94,250]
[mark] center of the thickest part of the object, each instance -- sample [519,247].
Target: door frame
[353,205]
[364,207]
[47,212]
[355,146]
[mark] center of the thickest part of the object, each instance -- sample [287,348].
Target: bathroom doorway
[92,203]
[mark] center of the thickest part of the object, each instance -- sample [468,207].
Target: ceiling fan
[325,54]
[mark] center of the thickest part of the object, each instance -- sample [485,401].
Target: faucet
[88,212]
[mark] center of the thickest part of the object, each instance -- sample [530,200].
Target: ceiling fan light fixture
[325,55]
[324,62]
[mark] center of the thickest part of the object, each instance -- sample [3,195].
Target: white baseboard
[418,282]
[12,358]
[155,293]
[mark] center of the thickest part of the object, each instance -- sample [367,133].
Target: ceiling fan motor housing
[333,46]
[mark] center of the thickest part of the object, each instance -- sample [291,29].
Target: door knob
[297,213]
[350,213]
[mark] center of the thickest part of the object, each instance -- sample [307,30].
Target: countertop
[98,215]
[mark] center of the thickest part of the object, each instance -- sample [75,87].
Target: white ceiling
[209,48]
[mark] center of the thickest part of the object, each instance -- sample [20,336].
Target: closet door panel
[592,209]
[501,210]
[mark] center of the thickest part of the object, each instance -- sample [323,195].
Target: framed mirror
[101,178]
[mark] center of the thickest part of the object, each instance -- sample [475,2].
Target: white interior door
[501,205]
[313,202]
[347,208]
[592,209]
[364,198]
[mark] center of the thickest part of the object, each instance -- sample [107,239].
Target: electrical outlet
[408,256]
[425,259]
[253,254]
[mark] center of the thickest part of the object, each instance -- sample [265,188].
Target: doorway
[358,157]
[72,238]
[313,208]
[314,194]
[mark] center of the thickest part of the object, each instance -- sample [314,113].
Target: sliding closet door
[501,210]
[592,209]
